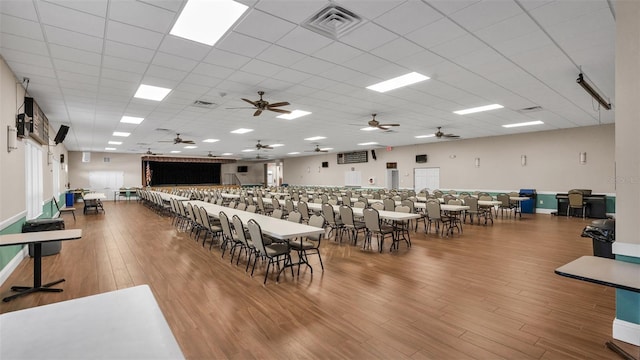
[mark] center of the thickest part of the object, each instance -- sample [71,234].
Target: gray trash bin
[48,248]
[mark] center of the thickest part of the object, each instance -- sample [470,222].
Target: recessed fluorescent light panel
[149,92]
[115,143]
[398,82]
[241,131]
[369,128]
[368,143]
[175,151]
[248,150]
[131,120]
[206,21]
[425,136]
[227,154]
[478,109]
[190,147]
[326,149]
[294,114]
[529,123]
[314,138]
[210,140]
[109,149]
[276,145]
[121,134]
[294,153]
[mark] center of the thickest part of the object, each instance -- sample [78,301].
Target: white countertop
[94,196]
[122,324]
[40,236]
[604,271]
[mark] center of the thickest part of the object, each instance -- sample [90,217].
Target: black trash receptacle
[48,248]
[602,233]
[528,206]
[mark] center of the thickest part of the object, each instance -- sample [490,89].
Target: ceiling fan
[149,152]
[317,149]
[439,134]
[211,155]
[261,105]
[259,146]
[376,124]
[179,140]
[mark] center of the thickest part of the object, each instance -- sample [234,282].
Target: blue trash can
[528,206]
[69,199]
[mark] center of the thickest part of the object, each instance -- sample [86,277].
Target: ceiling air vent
[203,104]
[530,109]
[333,22]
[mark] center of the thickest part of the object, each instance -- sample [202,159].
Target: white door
[106,181]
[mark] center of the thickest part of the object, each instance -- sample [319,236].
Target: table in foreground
[122,324]
[37,238]
[608,272]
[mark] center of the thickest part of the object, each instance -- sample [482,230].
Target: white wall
[552,162]
[254,174]
[129,164]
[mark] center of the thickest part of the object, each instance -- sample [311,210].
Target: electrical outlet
[541,202]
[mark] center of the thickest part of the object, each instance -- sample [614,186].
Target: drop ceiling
[85,60]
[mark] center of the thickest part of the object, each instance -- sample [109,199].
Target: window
[34,188]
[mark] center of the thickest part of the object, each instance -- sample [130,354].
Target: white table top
[280,229]
[40,236]
[604,271]
[449,207]
[166,196]
[230,196]
[122,324]
[386,215]
[519,199]
[94,196]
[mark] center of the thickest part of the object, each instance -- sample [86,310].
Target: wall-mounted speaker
[22,126]
[373,154]
[325,164]
[61,158]
[61,134]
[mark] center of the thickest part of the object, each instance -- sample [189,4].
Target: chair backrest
[316,221]
[232,204]
[371,219]
[503,198]
[346,200]
[485,197]
[275,203]
[226,227]
[409,204]
[472,203]
[277,213]
[576,199]
[389,204]
[204,216]
[239,228]
[288,205]
[346,214]
[241,206]
[455,202]
[329,215]
[295,217]
[303,208]
[433,209]
[378,206]
[191,212]
[219,201]
[56,202]
[260,202]
[438,193]
[360,204]
[447,198]
[251,208]
[256,236]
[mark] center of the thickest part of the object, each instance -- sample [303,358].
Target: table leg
[37,278]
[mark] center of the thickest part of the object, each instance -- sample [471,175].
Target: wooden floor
[489,293]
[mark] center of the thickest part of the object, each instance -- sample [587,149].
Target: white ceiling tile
[174,62]
[278,55]
[337,53]
[422,62]
[370,9]
[115,74]
[561,11]
[263,26]
[485,13]
[81,78]
[142,15]
[261,68]
[21,9]
[20,27]
[312,65]
[366,63]
[245,78]
[212,70]
[292,10]
[533,40]
[340,73]
[109,84]
[274,84]
[408,17]
[458,47]
[304,41]
[16,56]
[23,44]
[172,5]
[292,76]
[126,51]
[184,48]
[95,7]
[75,55]
[436,33]
[368,36]
[74,67]
[158,81]
[225,58]
[242,45]
[508,29]
[73,39]
[203,80]
[111,62]
[165,73]
[127,34]
[449,7]
[397,49]
[70,19]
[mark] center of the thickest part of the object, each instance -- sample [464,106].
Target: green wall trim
[628,302]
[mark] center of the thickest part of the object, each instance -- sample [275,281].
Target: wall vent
[333,22]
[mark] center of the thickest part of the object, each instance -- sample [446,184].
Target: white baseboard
[13,264]
[627,249]
[626,331]
[545,211]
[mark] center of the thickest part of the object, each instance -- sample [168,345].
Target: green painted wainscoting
[628,302]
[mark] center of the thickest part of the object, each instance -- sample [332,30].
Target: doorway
[393,179]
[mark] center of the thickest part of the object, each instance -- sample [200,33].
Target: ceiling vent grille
[530,109]
[333,22]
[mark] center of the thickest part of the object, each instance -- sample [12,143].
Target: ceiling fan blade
[187,142]
[244,107]
[389,125]
[280,111]
[258,112]
[282,103]
[166,141]
[249,101]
